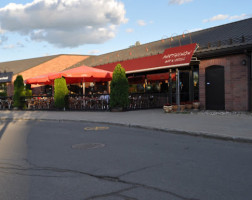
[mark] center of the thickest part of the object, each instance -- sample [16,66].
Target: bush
[60,92]
[3,94]
[19,93]
[119,96]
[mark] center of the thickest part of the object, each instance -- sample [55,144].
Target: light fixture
[177,37]
[244,62]
[187,32]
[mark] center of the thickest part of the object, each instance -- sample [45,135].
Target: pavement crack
[101,177]
[116,193]
[138,170]
[126,197]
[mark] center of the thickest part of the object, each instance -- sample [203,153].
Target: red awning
[158,77]
[136,79]
[83,74]
[172,57]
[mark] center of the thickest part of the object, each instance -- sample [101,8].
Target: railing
[90,102]
[147,100]
[5,103]
[228,42]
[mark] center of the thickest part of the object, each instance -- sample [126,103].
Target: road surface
[49,160]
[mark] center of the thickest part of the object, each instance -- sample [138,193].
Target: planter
[188,106]
[118,109]
[182,107]
[167,109]
[174,108]
[196,105]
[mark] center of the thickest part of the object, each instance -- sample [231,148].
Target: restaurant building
[219,73]
[212,66]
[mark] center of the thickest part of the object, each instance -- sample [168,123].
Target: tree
[119,96]
[19,93]
[60,93]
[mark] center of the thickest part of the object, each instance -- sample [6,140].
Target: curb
[172,131]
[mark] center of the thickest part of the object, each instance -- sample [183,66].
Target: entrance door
[215,91]
[184,86]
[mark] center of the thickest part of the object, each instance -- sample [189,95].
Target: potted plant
[119,96]
[167,108]
[174,107]
[196,104]
[182,106]
[188,105]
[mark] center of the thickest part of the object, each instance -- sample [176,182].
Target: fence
[90,102]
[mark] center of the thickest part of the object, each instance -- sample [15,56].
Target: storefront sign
[172,57]
[6,77]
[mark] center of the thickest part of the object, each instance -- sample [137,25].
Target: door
[184,86]
[215,91]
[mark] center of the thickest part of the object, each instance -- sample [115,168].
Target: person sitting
[105,98]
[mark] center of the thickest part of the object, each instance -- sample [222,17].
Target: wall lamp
[185,32]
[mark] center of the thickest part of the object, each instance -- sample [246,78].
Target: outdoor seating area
[40,103]
[90,102]
[100,102]
[6,103]
[147,100]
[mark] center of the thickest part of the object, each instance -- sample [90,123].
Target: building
[218,74]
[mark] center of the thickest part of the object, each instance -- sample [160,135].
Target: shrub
[28,91]
[3,94]
[60,92]
[119,96]
[19,93]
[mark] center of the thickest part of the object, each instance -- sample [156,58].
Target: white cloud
[141,22]
[193,30]
[179,2]
[239,17]
[2,31]
[93,52]
[20,44]
[129,30]
[10,46]
[65,23]
[3,39]
[216,18]
[223,17]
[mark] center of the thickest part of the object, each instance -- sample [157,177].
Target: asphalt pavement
[236,126]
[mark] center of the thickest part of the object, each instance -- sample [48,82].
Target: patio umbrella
[83,74]
[42,79]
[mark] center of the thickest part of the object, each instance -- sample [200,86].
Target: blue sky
[35,28]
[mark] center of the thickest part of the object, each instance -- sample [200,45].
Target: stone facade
[235,80]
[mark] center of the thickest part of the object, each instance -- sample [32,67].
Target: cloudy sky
[35,28]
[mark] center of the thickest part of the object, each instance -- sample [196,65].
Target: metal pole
[83,88]
[177,87]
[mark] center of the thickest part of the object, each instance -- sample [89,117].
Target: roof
[56,64]
[18,66]
[237,34]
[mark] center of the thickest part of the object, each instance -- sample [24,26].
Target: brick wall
[236,81]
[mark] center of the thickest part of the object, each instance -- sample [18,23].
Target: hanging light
[187,33]
[178,38]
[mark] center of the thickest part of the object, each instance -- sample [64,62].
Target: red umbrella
[83,74]
[42,79]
